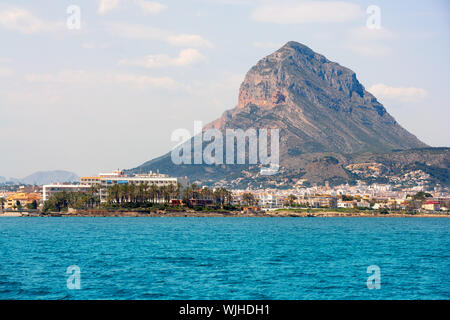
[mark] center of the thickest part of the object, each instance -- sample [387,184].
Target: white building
[268,200]
[49,189]
[345,204]
[105,180]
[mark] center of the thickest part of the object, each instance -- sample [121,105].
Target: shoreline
[230,214]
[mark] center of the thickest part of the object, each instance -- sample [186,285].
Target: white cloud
[151,6]
[406,94]
[134,31]
[307,12]
[107,5]
[87,78]
[25,22]
[186,57]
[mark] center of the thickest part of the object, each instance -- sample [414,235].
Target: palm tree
[219,196]
[195,191]
[172,191]
[142,187]
[205,193]
[114,193]
[153,191]
[163,193]
[121,191]
[228,196]
[248,198]
[189,193]
[291,199]
[93,192]
[145,192]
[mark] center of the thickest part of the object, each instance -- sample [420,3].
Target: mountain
[10,180]
[47,177]
[327,122]
[318,105]
[43,177]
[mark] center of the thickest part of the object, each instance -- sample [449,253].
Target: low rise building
[363,204]
[323,201]
[21,200]
[317,201]
[431,206]
[346,204]
[268,200]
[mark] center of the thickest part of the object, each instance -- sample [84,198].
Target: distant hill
[331,129]
[47,177]
[10,180]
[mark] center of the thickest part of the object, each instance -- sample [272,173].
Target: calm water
[224,258]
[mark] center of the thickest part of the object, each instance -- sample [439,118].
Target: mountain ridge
[44,177]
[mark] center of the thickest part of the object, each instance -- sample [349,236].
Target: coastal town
[119,192]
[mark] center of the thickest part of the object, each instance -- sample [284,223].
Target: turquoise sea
[224,258]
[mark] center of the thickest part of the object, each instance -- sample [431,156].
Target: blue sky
[109,95]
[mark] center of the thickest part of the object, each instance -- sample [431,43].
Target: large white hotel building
[105,180]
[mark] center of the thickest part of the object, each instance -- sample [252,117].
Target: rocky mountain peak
[319,106]
[294,69]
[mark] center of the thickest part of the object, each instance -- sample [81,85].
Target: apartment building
[105,180]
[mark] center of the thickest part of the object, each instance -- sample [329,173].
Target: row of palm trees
[220,196]
[141,193]
[145,193]
[61,201]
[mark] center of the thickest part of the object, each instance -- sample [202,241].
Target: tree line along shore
[143,200]
[172,200]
